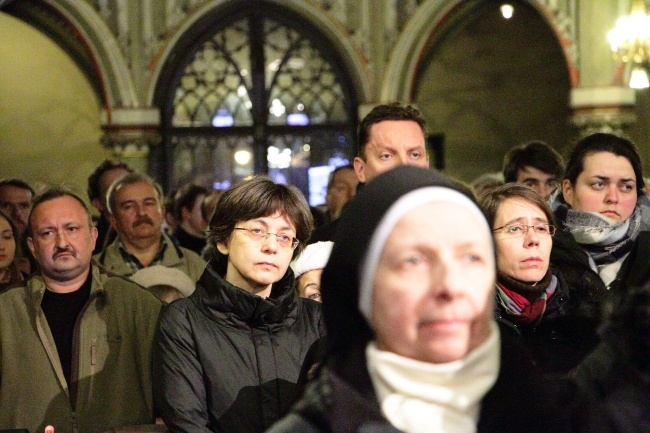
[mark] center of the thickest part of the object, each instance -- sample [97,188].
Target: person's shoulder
[122,286]
[191,255]
[12,293]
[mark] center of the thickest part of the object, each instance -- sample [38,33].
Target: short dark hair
[393,111]
[130,179]
[93,179]
[536,154]
[257,197]
[604,142]
[16,234]
[492,200]
[210,203]
[51,193]
[18,183]
[185,198]
[330,181]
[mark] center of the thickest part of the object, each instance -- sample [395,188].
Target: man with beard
[134,204]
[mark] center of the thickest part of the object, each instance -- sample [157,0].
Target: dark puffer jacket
[565,335]
[229,361]
[342,398]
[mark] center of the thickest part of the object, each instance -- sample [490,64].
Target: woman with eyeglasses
[228,358]
[530,296]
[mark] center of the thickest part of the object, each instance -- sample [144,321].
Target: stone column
[131,133]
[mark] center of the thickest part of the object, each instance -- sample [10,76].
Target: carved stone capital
[130,143]
[130,133]
[614,120]
[603,109]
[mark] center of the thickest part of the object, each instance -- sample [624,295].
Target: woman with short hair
[603,216]
[228,358]
[531,296]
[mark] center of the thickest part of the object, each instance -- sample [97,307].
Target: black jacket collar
[221,300]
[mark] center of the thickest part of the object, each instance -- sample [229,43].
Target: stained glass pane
[300,87]
[304,89]
[214,89]
[290,156]
[210,160]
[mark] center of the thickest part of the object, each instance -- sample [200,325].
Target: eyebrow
[261,221]
[607,178]
[521,219]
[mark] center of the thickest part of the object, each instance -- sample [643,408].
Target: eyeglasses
[285,241]
[517,229]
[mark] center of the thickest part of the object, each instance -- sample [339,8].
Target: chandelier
[630,43]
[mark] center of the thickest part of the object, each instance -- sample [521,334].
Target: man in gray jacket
[134,204]
[75,343]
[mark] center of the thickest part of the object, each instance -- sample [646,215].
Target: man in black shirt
[75,342]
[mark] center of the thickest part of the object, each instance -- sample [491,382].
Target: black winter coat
[229,361]
[572,260]
[521,401]
[565,335]
[617,374]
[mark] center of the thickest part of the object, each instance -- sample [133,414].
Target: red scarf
[531,312]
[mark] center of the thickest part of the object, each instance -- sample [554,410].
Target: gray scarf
[604,241]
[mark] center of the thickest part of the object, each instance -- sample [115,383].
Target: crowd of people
[519,302]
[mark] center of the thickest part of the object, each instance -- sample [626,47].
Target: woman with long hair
[9,249]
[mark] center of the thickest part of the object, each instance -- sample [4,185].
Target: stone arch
[110,67]
[431,20]
[350,56]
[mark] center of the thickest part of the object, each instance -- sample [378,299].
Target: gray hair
[130,179]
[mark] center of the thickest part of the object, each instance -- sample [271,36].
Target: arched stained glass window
[215,84]
[260,91]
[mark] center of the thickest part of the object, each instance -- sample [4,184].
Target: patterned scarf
[514,297]
[606,242]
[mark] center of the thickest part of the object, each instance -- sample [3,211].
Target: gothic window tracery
[262,93]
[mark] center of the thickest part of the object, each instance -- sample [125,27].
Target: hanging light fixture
[630,42]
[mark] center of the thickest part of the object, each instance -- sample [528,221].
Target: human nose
[444,281]
[270,242]
[139,210]
[13,211]
[61,239]
[545,191]
[531,238]
[612,194]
